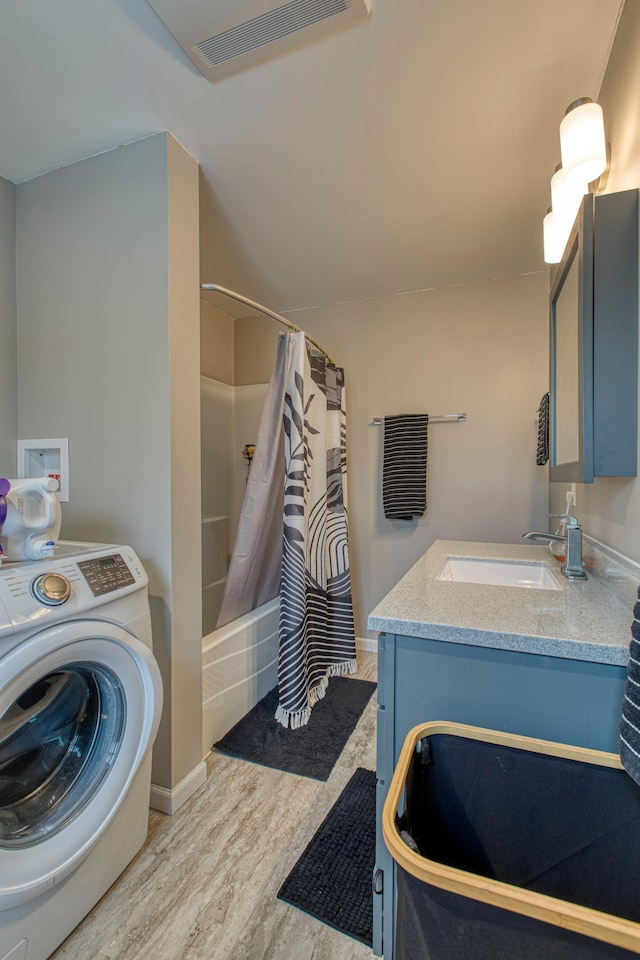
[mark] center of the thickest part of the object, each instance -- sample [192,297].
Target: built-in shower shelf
[213,519]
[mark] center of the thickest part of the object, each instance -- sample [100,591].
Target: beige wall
[108,338]
[8,353]
[609,508]
[255,349]
[479,348]
[184,382]
[217,338]
[237,351]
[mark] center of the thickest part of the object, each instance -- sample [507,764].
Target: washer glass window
[58,741]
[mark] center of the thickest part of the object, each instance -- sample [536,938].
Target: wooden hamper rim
[560,913]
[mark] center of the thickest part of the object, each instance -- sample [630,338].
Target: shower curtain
[317,638]
[254,572]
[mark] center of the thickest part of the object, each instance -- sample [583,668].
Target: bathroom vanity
[545,660]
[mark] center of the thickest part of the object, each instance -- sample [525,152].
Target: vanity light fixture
[554,239]
[566,198]
[584,159]
[582,142]
[565,203]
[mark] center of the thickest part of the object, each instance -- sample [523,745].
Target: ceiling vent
[222,36]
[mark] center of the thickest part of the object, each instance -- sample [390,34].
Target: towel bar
[436,418]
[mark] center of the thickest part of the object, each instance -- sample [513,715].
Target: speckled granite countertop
[581,621]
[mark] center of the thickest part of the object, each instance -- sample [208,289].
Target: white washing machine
[80,702]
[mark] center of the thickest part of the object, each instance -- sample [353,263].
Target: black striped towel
[404,466]
[542,452]
[630,723]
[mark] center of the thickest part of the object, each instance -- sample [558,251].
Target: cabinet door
[594,344]
[384,874]
[570,701]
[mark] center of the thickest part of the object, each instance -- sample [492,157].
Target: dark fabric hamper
[564,828]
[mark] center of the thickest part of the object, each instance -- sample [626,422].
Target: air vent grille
[274,25]
[223,36]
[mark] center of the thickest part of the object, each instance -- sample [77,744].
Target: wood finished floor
[204,885]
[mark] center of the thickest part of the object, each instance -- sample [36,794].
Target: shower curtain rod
[215,288]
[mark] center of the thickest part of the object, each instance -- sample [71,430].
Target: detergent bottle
[32,518]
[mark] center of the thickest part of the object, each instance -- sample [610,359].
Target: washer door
[79,709]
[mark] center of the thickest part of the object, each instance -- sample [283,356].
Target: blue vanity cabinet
[570,701]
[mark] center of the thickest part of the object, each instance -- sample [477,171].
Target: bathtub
[239,666]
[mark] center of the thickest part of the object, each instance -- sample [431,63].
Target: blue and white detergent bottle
[30,518]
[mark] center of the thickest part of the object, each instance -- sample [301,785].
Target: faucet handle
[565,516]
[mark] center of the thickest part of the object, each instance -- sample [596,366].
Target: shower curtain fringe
[293,719]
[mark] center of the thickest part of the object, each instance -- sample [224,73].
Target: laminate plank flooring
[204,885]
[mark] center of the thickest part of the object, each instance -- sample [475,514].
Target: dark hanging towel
[542,453]
[404,470]
[630,724]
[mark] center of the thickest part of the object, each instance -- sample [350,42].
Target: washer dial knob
[52,589]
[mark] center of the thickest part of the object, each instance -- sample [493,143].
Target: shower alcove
[239,659]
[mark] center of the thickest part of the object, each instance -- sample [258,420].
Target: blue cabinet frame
[603,247]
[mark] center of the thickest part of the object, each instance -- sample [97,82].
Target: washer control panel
[52,589]
[106,574]
[79,579]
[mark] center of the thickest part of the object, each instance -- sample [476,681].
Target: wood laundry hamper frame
[561,913]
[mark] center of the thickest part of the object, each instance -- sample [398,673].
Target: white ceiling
[409,151]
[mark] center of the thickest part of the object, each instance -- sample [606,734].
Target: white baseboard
[170,800]
[366,643]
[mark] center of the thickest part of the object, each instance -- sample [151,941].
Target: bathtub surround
[239,660]
[237,359]
[229,416]
[317,638]
[216,470]
[239,668]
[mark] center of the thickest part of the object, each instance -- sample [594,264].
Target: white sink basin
[510,573]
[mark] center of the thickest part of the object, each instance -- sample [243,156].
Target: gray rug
[310,751]
[332,879]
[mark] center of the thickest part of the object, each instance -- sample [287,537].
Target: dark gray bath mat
[332,879]
[310,751]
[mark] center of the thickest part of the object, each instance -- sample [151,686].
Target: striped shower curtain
[317,638]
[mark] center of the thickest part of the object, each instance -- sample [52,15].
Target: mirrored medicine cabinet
[593,408]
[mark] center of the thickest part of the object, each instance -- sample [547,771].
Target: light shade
[582,142]
[565,200]
[555,238]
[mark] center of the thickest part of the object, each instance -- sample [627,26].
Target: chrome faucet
[573,568]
